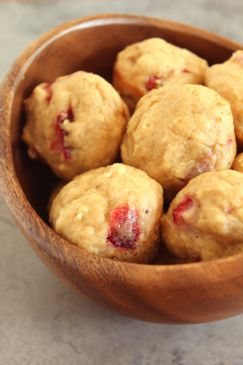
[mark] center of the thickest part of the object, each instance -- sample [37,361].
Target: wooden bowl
[184,293]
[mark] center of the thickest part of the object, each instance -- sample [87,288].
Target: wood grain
[184,293]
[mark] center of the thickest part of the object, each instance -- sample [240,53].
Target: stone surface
[41,321]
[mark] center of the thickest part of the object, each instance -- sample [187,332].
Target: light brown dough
[112,211]
[205,220]
[227,80]
[178,132]
[75,124]
[154,63]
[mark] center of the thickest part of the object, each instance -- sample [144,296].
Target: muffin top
[205,220]
[178,132]
[113,211]
[227,80]
[75,124]
[153,63]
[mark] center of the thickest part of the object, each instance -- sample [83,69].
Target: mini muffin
[178,132]
[75,124]
[153,63]
[205,220]
[227,80]
[238,163]
[112,211]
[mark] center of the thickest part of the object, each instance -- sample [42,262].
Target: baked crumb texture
[75,124]
[227,80]
[205,220]
[112,211]
[154,63]
[178,132]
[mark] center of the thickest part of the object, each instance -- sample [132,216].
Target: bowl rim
[10,186]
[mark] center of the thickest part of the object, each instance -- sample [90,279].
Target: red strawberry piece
[124,229]
[151,82]
[58,143]
[177,213]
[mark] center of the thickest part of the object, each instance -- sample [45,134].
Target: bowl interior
[89,45]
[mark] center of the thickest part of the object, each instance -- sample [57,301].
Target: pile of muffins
[176,138]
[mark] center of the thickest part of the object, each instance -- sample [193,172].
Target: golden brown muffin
[153,63]
[112,211]
[227,80]
[75,124]
[205,220]
[178,132]
[238,163]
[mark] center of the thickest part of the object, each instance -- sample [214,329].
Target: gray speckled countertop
[41,321]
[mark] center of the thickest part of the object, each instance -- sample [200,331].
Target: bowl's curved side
[168,294]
